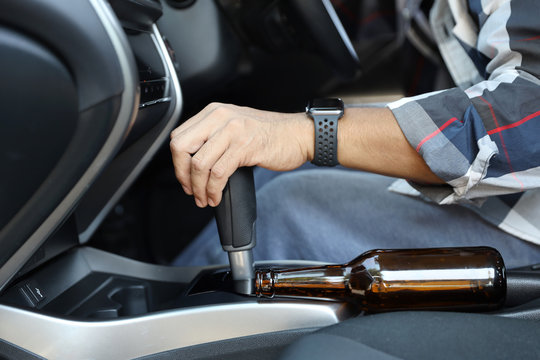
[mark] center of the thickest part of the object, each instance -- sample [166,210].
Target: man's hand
[210,146]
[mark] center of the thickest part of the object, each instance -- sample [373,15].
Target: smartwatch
[325,114]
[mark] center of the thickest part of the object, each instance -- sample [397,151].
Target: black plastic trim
[39,118]
[260,347]
[180,4]
[117,58]
[8,351]
[315,22]
[77,156]
[522,287]
[64,26]
[139,14]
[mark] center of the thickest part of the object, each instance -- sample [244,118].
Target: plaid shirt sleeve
[481,137]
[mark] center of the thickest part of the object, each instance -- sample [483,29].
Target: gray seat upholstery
[422,335]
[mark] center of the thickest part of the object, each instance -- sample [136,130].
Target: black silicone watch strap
[325,140]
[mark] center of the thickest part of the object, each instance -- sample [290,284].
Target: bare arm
[210,146]
[370,139]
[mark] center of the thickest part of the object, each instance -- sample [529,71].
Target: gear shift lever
[235,217]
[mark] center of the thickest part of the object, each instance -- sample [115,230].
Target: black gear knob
[235,217]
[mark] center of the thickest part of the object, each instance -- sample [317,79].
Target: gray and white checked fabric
[483,136]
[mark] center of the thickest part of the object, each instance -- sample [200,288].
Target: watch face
[325,107]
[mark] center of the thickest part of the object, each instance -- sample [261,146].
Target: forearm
[370,139]
[210,146]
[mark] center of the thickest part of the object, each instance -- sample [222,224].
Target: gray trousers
[334,215]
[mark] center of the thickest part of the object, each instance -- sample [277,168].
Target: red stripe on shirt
[502,142]
[513,125]
[531,38]
[433,134]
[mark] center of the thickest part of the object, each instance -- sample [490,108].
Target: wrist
[308,136]
[304,131]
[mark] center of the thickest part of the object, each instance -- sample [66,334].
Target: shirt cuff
[445,130]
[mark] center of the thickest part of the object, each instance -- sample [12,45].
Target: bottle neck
[323,282]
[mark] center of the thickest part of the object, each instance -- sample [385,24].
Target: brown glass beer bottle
[379,280]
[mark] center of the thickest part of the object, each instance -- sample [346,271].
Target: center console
[114,307]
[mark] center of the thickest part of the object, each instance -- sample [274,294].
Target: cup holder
[132,300]
[112,297]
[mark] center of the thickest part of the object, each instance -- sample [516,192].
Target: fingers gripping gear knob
[235,217]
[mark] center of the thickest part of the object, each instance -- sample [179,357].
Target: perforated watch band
[325,140]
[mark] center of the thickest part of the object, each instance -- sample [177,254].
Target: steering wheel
[321,24]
